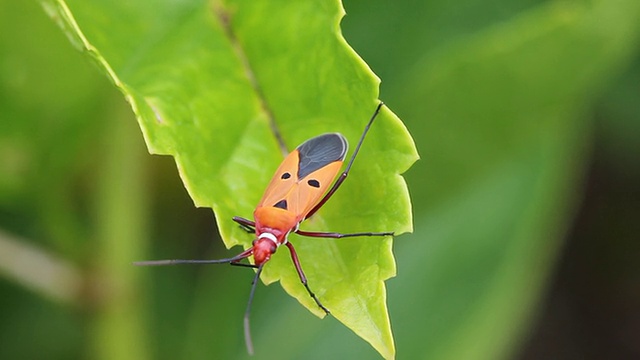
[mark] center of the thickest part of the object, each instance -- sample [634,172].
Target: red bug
[297,190]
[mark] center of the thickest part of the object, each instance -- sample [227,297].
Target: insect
[303,183]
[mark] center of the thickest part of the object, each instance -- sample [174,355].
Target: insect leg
[345,173]
[247,328]
[335,235]
[303,278]
[245,224]
[247,228]
[243,264]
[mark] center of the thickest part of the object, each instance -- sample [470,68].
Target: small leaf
[205,80]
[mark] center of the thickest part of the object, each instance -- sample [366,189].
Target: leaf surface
[206,81]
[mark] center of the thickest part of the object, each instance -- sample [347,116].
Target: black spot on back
[285,176]
[282,204]
[313,182]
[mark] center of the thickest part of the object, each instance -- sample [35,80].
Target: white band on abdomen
[269,236]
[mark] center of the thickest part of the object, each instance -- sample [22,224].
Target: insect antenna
[344,174]
[247,328]
[231,260]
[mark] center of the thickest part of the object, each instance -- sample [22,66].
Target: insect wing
[285,179]
[305,174]
[311,188]
[319,152]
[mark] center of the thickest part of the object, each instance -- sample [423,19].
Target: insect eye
[285,176]
[313,182]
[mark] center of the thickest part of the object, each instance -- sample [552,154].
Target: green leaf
[204,81]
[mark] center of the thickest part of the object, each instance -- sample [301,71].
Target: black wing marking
[282,204]
[320,151]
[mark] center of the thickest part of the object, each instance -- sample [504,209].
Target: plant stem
[122,211]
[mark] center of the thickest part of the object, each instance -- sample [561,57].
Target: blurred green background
[526,200]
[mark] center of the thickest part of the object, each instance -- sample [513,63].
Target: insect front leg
[248,226]
[303,278]
[245,224]
[236,263]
